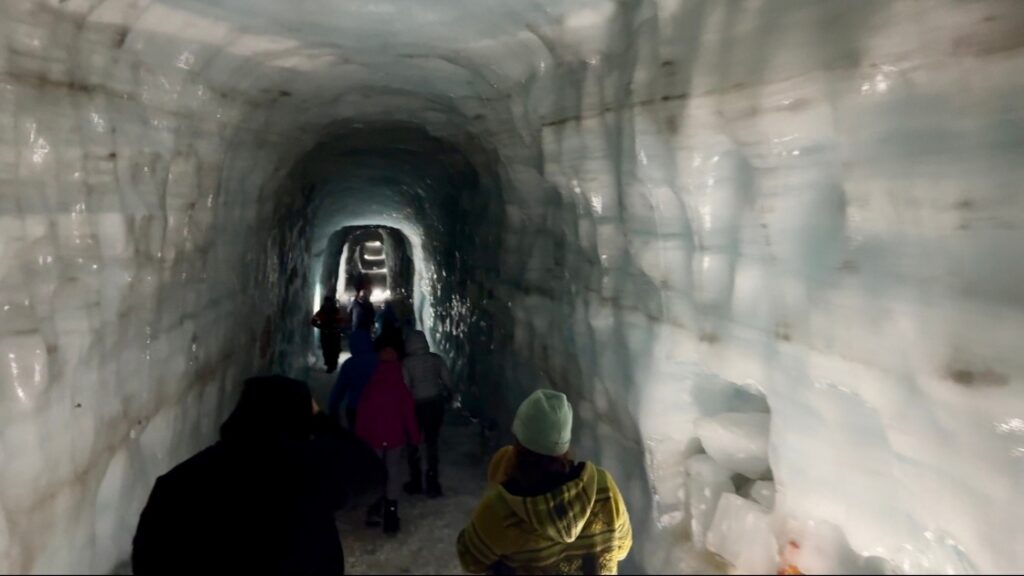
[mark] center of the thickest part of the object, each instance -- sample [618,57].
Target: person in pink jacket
[387,423]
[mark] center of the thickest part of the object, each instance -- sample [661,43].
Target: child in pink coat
[387,423]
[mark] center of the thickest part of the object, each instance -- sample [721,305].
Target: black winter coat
[261,504]
[363,315]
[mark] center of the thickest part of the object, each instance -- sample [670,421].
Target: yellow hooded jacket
[580,527]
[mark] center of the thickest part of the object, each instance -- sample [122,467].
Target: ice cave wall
[818,200]
[138,257]
[814,201]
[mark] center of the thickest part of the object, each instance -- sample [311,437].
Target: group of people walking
[392,391]
[395,401]
[332,323]
[263,498]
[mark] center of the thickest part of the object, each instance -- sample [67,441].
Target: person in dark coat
[362,470]
[388,317]
[261,500]
[329,320]
[361,311]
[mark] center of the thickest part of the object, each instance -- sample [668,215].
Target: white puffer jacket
[425,372]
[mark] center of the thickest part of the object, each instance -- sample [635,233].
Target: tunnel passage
[366,264]
[642,204]
[435,205]
[380,255]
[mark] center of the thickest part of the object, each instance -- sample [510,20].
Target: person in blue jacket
[355,373]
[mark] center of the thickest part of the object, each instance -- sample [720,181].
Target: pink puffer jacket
[386,417]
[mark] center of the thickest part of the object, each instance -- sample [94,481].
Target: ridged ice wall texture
[681,209]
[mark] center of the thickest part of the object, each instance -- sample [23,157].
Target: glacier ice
[742,533]
[737,441]
[667,209]
[819,547]
[706,482]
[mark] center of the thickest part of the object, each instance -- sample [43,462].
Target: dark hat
[271,409]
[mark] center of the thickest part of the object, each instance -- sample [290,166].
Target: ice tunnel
[771,250]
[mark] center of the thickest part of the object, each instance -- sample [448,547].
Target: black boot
[374,512]
[414,485]
[433,486]
[391,520]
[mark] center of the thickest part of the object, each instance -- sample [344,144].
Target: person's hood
[562,513]
[416,344]
[271,409]
[360,343]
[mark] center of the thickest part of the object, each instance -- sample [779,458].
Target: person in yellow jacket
[544,513]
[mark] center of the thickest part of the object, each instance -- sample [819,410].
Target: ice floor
[426,544]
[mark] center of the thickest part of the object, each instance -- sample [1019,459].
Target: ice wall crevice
[816,200]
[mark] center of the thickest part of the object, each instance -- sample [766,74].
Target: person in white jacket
[429,380]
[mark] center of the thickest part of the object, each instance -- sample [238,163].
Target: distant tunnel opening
[378,258]
[414,216]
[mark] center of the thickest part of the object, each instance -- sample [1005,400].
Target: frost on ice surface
[742,533]
[737,441]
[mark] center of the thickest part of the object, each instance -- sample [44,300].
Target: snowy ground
[426,544]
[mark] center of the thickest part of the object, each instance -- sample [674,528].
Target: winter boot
[433,486]
[414,486]
[391,520]
[415,483]
[374,512]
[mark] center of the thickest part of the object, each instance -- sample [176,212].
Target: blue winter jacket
[355,372]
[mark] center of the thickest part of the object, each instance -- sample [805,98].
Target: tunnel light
[373,244]
[368,257]
[378,295]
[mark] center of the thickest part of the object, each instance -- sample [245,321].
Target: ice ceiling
[771,250]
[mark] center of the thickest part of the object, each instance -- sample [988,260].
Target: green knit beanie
[543,423]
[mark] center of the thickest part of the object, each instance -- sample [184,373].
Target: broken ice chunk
[739,442]
[713,394]
[742,534]
[706,481]
[760,491]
